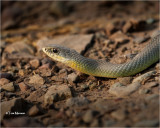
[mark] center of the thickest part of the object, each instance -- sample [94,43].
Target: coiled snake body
[101,68]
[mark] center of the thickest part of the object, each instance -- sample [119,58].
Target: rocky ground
[37,91]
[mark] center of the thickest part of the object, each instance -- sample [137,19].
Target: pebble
[36,79]
[73,77]
[110,29]
[9,87]
[120,90]
[45,72]
[4,81]
[150,21]
[125,80]
[119,114]
[147,123]
[89,116]
[33,111]
[84,87]
[57,79]
[21,72]
[141,39]
[34,63]
[92,86]
[127,27]
[77,101]
[144,76]
[56,93]
[23,87]
[10,94]
[95,123]
[14,105]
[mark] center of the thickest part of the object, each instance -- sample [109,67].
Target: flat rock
[77,42]
[14,105]
[23,87]
[57,93]
[77,101]
[34,110]
[36,79]
[19,50]
[89,115]
[34,63]
[119,114]
[120,90]
[9,87]
[4,81]
[73,77]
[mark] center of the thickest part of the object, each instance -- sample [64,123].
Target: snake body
[101,68]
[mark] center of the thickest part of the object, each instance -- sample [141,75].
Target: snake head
[60,53]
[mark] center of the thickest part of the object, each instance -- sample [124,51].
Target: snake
[101,68]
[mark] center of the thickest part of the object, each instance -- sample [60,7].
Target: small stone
[110,29]
[34,63]
[56,93]
[84,86]
[45,72]
[57,79]
[92,86]
[23,86]
[127,27]
[147,123]
[33,110]
[73,77]
[125,80]
[150,21]
[77,101]
[119,114]
[21,72]
[36,79]
[9,87]
[95,123]
[143,91]
[141,39]
[89,115]
[4,81]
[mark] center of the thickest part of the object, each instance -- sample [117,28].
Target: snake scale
[101,68]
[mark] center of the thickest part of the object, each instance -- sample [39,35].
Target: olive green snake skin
[101,68]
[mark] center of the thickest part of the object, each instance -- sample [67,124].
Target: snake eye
[55,50]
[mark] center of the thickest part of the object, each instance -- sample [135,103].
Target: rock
[125,80]
[19,50]
[95,123]
[77,101]
[14,105]
[57,79]
[22,122]
[21,72]
[147,123]
[45,72]
[151,97]
[84,86]
[108,123]
[10,94]
[143,91]
[57,93]
[6,75]
[73,77]
[34,63]
[89,116]
[92,86]
[36,79]
[33,111]
[81,42]
[9,87]
[4,81]
[144,76]
[119,114]
[23,86]
[119,37]
[110,29]
[120,90]
[127,27]
[150,21]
